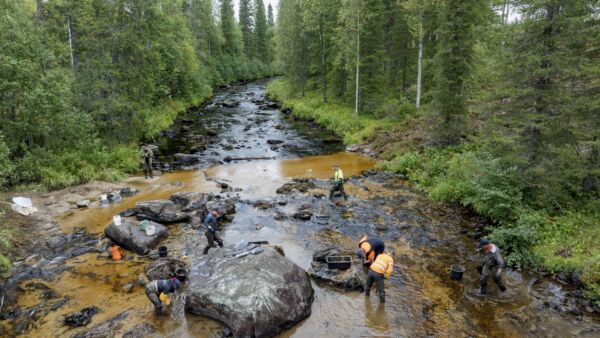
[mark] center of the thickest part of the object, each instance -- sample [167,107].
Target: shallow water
[427,238]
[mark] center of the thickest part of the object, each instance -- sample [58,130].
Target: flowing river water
[428,238]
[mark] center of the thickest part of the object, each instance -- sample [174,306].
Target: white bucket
[117,219]
[150,230]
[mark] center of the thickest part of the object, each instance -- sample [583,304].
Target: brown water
[421,300]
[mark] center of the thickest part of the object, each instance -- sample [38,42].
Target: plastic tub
[339,262]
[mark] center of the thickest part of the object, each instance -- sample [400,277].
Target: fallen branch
[229,158]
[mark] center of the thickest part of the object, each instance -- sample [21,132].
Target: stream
[427,237]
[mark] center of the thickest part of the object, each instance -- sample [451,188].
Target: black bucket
[457,272]
[181,274]
[162,251]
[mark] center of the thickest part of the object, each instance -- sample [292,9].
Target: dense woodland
[493,104]
[82,81]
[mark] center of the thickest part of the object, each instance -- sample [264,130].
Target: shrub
[518,240]
[478,180]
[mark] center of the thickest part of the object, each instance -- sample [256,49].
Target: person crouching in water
[158,290]
[381,269]
[493,264]
[211,222]
[369,248]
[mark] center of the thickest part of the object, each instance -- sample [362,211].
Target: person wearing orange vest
[369,248]
[381,269]
[117,254]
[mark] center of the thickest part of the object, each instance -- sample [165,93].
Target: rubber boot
[483,289]
[502,288]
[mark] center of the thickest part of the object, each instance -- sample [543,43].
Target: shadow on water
[421,299]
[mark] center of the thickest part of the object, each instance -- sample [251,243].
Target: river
[428,238]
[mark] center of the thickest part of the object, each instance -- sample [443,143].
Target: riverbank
[562,243]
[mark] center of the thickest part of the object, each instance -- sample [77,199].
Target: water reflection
[376,317]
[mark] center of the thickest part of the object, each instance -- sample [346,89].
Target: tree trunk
[69,28]
[323,63]
[420,62]
[357,92]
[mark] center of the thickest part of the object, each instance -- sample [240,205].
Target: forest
[491,105]
[83,81]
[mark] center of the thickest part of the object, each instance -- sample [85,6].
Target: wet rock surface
[161,211]
[257,295]
[82,317]
[131,236]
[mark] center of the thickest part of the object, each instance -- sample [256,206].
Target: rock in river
[186,159]
[161,211]
[131,236]
[350,279]
[255,296]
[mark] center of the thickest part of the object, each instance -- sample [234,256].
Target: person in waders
[148,155]
[493,264]
[369,248]
[158,292]
[338,183]
[381,269]
[211,222]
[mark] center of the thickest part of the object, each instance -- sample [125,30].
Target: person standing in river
[493,264]
[148,155]
[338,182]
[211,222]
[381,269]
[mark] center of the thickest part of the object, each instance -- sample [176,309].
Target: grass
[336,116]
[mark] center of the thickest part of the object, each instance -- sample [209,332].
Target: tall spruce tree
[270,16]
[247,24]
[260,32]
[454,62]
[228,29]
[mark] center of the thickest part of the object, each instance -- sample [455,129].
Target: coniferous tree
[270,17]
[228,29]
[260,31]
[247,25]
[454,64]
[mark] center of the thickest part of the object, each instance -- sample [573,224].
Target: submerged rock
[106,329]
[163,268]
[257,295]
[82,317]
[161,211]
[130,236]
[299,184]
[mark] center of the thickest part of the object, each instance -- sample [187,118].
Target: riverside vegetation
[81,82]
[492,105]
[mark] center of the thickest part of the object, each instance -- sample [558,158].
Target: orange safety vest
[384,264]
[366,248]
[116,253]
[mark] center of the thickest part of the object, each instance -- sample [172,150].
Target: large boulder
[130,236]
[161,211]
[257,295]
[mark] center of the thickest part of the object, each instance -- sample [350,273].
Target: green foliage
[59,169]
[335,116]
[477,180]
[518,239]
[6,165]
